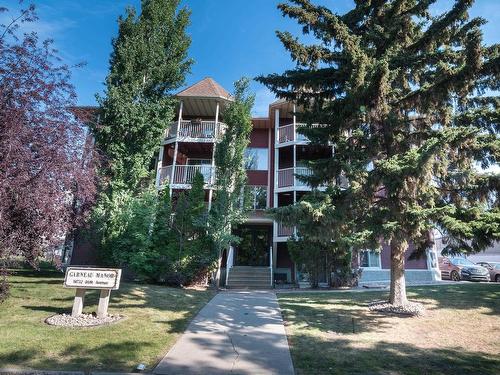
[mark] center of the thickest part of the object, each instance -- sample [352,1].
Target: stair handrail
[229,262]
[271,263]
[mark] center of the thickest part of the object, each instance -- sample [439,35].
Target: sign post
[82,278]
[78,302]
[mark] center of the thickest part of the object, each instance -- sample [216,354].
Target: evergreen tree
[323,239]
[148,61]
[227,210]
[190,219]
[182,223]
[402,96]
[161,232]
[197,206]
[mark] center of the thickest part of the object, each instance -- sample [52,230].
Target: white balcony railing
[184,174]
[284,231]
[202,130]
[288,177]
[286,133]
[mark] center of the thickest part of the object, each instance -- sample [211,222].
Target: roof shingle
[206,88]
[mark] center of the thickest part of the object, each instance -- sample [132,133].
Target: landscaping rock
[410,309]
[84,320]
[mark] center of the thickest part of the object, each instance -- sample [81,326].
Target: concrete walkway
[235,333]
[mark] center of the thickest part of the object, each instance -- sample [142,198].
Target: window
[191,161]
[461,262]
[256,159]
[369,258]
[257,197]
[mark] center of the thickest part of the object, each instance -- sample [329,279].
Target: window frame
[266,166]
[253,192]
[378,253]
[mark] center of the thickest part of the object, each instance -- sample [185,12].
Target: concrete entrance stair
[247,277]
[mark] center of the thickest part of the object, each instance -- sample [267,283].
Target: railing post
[159,166]
[271,263]
[212,174]
[229,261]
[176,147]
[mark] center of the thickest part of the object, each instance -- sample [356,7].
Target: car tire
[497,278]
[454,276]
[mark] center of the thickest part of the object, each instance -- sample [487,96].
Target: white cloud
[46,29]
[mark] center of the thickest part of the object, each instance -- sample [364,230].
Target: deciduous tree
[227,209]
[148,61]
[47,180]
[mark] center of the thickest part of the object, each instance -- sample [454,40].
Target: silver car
[493,268]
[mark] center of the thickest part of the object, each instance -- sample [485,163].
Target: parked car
[458,268]
[493,268]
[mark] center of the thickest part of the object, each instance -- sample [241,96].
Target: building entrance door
[253,250]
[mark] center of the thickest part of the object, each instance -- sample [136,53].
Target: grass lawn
[155,316]
[460,333]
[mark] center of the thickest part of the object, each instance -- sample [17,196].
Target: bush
[155,241]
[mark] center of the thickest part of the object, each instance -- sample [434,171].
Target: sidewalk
[235,333]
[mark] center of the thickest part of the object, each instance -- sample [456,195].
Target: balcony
[288,134]
[284,231]
[184,174]
[281,232]
[194,131]
[287,178]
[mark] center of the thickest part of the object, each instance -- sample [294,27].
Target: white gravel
[84,320]
[411,308]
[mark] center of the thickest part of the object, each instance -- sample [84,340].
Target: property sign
[92,278]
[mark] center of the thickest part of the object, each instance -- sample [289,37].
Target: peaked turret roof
[206,88]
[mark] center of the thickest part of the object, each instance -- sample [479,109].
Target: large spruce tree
[408,99]
[149,61]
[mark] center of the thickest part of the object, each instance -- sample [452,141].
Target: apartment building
[275,157]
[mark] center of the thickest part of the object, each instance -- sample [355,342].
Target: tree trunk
[218,271]
[398,284]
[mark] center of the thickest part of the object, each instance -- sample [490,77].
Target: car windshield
[494,265]
[461,262]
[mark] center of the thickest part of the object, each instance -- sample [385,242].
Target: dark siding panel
[259,138]
[84,251]
[419,264]
[257,178]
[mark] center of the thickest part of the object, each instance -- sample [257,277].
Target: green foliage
[158,243]
[149,60]
[124,225]
[227,210]
[194,251]
[180,244]
[401,94]
[320,243]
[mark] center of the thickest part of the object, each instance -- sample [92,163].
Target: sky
[230,38]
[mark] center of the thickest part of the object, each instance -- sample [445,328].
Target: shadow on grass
[41,281]
[43,272]
[49,309]
[340,356]
[462,296]
[79,356]
[324,340]
[153,314]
